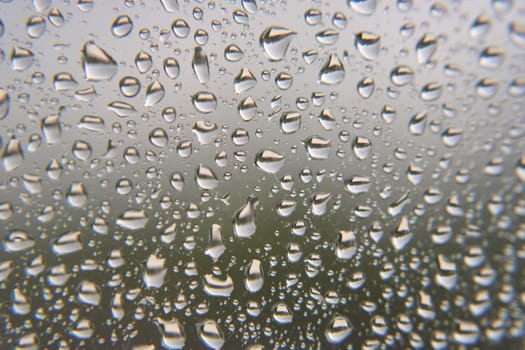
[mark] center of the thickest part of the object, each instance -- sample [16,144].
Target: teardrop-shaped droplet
[402,235]
[244,219]
[275,41]
[143,61]
[98,64]
[244,81]
[401,75]
[247,108]
[206,178]
[362,147]
[366,87]
[269,161]
[290,122]
[122,26]
[332,72]
[367,45]
[254,280]
[425,48]
[154,94]
[200,65]
[417,123]
[216,243]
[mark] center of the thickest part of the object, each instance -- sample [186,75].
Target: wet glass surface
[262,174]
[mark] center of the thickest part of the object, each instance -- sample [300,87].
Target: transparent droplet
[143,61]
[158,137]
[21,58]
[244,219]
[171,68]
[401,75]
[269,161]
[4,103]
[338,329]
[366,87]
[426,47]
[313,16]
[172,332]
[122,26]
[318,147]
[275,41]
[35,26]
[204,102]
[233,53]
[363,7]
[327,36]
[200,65]
[247,109]
[332,72]
[244,81]
[211,334]
[254,280]
[98,64]
[290,122]
[367,45]
[154,94]
[129,86]
[132,219]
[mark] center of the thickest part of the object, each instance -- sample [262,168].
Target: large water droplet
[275,41]
[269,161]
[244,219]
[200,65]
[98,64]
[332,72]
[204,102]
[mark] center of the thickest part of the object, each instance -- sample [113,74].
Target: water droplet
[402,235]
[417,123]
[35,26]
[180,28]
[275,41]
[269,161]
[357,184]
[486,88]
[154,271]
[154,94]
[12,156]
[144,62]
[366,87]
[426,47]
[216,243]
[290,122]
[313,16]
[132,219]
[83,329]
[282,314]
[211,334]
[401,75]
[204,102]
[247,109]
[332,72]
[346,245]
[89,293]
[452,137]
[67,243]
[430,92]
[122,26]
[517,33]
[253,280]
[158,137]
[81,150]
[244,219]
[327,36]
[339,328]
[205,131]
[21,58]
[171,68]
[491,58]
[64,82]
[206,178]
[129,86]
[362,147]
[284,81]
[200,65]
[233,53]
[368,45]
[244,81]
[363,7]
[17,241]
[172,332]
[4,103]
[98,64]
[170,5]
[318,147]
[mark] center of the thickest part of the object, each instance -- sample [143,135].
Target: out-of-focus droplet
[4,103]
[363,7]
[98,64]
[338,329]
[154,272]
[426,47]
[366,87]
[21,58]
[13,155]
[211,334]
[170,5]
[35,26]
[132,219]
[401,75]
[402,235]
[417,123]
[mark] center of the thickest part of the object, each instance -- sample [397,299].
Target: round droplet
[338,329]
[158,137]
[122,26]
[367,45]
[204,102]
[171,68]
[129,86]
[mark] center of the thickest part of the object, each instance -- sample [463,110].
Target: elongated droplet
[244,81]
[244,219]
[170,5]
[200,65]
[13,156]
[425,48]
[98,64]
[4,103]
[275,41]
[253,280]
